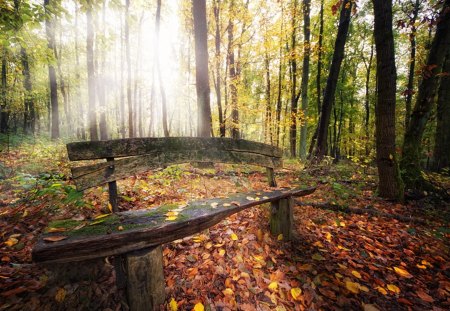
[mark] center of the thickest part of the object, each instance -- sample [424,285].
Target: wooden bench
[135,237]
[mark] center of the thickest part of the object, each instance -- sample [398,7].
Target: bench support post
[145,279]
[281,218]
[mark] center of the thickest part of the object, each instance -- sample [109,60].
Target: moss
[65,223]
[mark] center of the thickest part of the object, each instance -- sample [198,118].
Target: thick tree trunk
[338,55]
[412,63]
[280,67]
[217,39]
[442,142]
[305,76]
[410,163]
[91,73]
[319,61]
[389,185]
[201,68]
[233,77]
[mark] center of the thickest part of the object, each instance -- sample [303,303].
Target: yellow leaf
[352,287]
[356,273]
[393,288]
[338,275]
[234,237]
[318,244]
[214,204]
[221,252]
[173,305]
[102,216]
[421,266]
[56,229]
[317,256]
[328,236]
[199,307]
[280,237]
[250,199]
[11,242]
[296,292]
[381,290]
[273,286]
[171,213]
[402,272]
[120,228]
[226,204]
[363,288]
[110,207]
[228,292]
[170,218]
[60,295]
[426,263]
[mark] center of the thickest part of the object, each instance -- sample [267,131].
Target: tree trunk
[305,76]
[338,55]
[389,185]
[101,92]
[410,163]
[442,142]
[412,63]
[233,77]
[80,118]
[128,60]
[91,73]
[29,114]
[222,129]
[294,97]
[280,67]
[268,113]
[4,114]
[319,60]
[201,68]
[367,102]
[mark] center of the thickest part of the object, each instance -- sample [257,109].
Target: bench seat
[124,232]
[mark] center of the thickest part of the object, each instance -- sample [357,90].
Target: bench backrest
[127,157]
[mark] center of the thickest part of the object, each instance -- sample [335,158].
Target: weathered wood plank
[100,173]
[128,231]
[145,279]
[90,150]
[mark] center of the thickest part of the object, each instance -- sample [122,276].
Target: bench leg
[281,218]
[145,279]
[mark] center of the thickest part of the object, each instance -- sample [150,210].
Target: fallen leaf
[234,237]
[55,238]
[226,204]
[214,204]
[381,290]
[356,274]
[120,228]
[228,292]
[393,288]
[221,252]
[235,203]
[296,292]
[173,305]
[171,213]
[56,229]
[402,272]
[170,218]
[60,295]
[199,307]
[317,256]
[102,216]
[424,296]
[250,198]
[11,242]
[280,237]
[370,307]
[273,286]
[352,287]
[110,207]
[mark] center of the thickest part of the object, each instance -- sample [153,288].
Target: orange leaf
[402,272]
[424,296]
[352,287]
[55,238]
[356,274]
[393,288]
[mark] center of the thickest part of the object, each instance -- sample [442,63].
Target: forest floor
[337,260]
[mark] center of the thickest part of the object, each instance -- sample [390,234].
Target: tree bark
[4,114]
[319,60]
[412,63]
[201,68]
[338,55]
[99,80]
[128,60]
[217,41]
[233,77]
[91,73]
[294,97]
[442,141]
[389,185]
[305,76]
[29,114]
[367,101]
[410,163]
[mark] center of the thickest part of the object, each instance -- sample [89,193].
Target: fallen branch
[361,211]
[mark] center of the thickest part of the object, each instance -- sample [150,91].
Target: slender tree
[4,115]
[131,132]
[218,82]
[305,76]
[201,68]
[410,163]
[293,70]
[90,71]
[338,55]
[233,76]
[389,185]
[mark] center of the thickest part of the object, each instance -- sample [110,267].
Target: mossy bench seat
[135,237]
